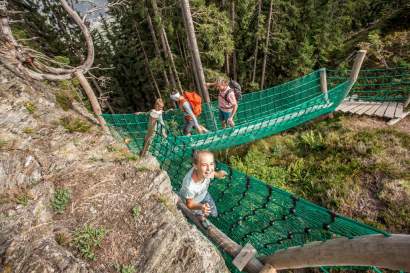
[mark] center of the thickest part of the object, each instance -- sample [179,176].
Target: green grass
[334,165]
[87,239]
[126,269]
[60,200]
[65,99]
[74,124]
[3,143]
[23,199]
[30,107]
[28,130]
[135,211]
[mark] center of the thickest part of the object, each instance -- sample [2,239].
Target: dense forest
[142,50]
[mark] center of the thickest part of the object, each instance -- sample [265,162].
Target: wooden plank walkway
[391,110]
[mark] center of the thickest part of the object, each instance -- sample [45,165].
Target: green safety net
[384,85]
[249,209]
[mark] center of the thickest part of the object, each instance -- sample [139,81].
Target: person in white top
[153,126]
[194,189]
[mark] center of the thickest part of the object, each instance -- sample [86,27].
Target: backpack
[195,101]
[237,90]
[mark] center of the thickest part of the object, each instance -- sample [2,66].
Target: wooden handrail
[391,252]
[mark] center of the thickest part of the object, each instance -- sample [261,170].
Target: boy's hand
[206,209]
[220,174]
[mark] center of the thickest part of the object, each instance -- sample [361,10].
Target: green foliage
[126,269]
[31,108]
[23,199]
[3,143]
[28,130]
[332,165]
[64,98]
[87,239]
[214,33]
[74,124]
[62,59]
[60,200]
[135,211]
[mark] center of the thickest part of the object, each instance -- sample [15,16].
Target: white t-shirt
[157,115]
[195,190]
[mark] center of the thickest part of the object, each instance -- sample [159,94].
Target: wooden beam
[92,98]
[357,65]
[323,83]
[221,240]
[391,252]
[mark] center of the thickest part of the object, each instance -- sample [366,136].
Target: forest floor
[356,166]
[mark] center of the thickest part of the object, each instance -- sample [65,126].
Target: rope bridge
[384,85]
[249,209]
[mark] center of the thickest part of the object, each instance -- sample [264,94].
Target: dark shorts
[188,125]
[224,116]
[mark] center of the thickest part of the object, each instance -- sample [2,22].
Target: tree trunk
[165,46]
[157,51]
[95,83]
[189,25]
[146,61]
[265,54]
[91,96]
[234,74]
[255,55]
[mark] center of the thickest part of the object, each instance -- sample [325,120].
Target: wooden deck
[391,110]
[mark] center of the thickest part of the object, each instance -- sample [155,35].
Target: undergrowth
[87,239]
[354,172]
[60,200]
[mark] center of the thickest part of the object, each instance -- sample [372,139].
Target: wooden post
[391,252]
[323,83]
[149,136]
[189,24]
[407,101]
[91,96]
[221,240]
[357,65]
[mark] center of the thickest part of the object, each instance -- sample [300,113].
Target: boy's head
[204,164]
[175,95]
[221,84]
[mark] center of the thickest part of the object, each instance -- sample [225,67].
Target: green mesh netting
[389,85]
[249,209]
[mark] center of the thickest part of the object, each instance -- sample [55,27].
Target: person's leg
[188,127]
[222,118]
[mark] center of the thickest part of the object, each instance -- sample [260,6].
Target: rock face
[129,199]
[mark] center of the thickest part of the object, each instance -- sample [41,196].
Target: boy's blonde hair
[198,154]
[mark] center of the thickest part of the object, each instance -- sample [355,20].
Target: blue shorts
[208,199]
[224,116]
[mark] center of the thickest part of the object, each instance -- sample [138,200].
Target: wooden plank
[350,106]
[381,110]
[373,109]
[365,108]
[395,120]
[343,106]
[390,110]
[399,110]
[356,108]
[244,256]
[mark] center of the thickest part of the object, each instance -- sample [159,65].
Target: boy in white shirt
[194,190]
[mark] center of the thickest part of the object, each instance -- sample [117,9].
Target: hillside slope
[72,200]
